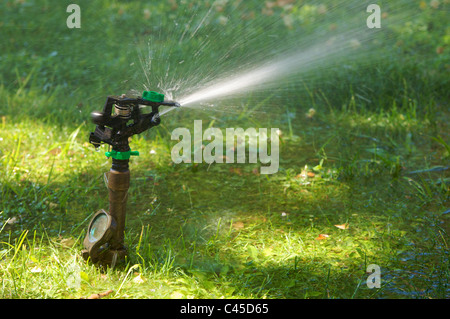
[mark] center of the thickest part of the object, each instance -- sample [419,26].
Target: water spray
[104,241]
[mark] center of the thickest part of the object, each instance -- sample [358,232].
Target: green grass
[373,156]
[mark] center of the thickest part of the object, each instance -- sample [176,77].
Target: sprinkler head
[112,123]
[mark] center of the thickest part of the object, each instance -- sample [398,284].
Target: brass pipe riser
[118,185]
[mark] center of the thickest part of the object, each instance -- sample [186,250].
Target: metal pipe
[118,185]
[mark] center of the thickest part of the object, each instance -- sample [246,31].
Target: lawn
[363,174]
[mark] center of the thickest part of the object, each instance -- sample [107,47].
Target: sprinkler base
[104,241]
[107,258]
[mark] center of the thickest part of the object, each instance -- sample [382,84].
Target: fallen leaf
[223,20]
[146,14]
[282,3]
[343,226]
[67,242]
[302,175]
[238,225]
[52,205]
[13,220]
[434,4]
[100,295]
[322,9]
[270,4]
[310,114]
[236,170]
[322,237]
[55,151]
[310,174]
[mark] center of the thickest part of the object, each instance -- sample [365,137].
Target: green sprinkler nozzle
[153,96]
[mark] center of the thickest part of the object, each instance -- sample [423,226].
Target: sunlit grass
[277,238]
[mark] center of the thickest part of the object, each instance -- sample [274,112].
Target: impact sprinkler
[104,241]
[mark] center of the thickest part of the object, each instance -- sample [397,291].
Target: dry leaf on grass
[322,237]
[67,242]
[343,226]
[100,295]
[238,225]
[236,171]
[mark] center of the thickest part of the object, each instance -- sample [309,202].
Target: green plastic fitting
[121,155]
[153,96]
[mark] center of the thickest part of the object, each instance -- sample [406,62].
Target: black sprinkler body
[120,119]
